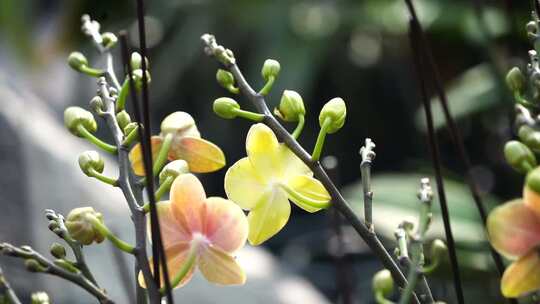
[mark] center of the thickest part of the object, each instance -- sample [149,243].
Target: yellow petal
[172,232]
[263,151]
[220,268]
[136,157]
[243,185]
[513,228]
[201,155]
[269,217]
[226,225]
[188,202]
[176,257]
[294,166]
[522,276]
[309,188]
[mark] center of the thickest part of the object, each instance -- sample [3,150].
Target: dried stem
[368,155]
[6,291]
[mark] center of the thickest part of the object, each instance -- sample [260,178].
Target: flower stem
[186,267]
[162,154]
[268,86]
[96,141]
[249,115]
[122,96]
[108,180]
[124,246]
[320,140]
[164,187]
[380,299]
[92,72]
[131,137]
[299,126]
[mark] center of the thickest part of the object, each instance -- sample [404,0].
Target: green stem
[380,299]
[320,140]
[319,204]
[91,71]
[164,187]
[249,115]
[186,267]
[98,225]
[233,89]
[96,141]
[108,180]
[299,126]
[268,86]
[524,102]
[122,96]
[131,137]
[162,154]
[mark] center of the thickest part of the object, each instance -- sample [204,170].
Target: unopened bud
[77,61]
[136,61]
[290,107]
[91,160]
[130,127]
[33,265]
[180,124]
[109,40]
[96,104]
[225,79]
[138,78]
[515,80]
[530,137]
[226,107]
[519,156]
[40,297]
[173,169]
[383,283]
[81,228]
[270,68]
[123,119]
[58,251]
[335,112]
[75,116]
[438,249]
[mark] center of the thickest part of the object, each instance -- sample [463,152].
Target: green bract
[91,160]
[80,227]
[226,107]
[290,107]
[75,116]
[335,112]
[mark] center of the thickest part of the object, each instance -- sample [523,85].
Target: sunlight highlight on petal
[187,202]
[136,157]
[220,268]
[201,155]
[262,149]
[269,217]
[226,226]
[243,185]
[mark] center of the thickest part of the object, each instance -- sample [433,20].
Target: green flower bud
[130,127]
[438,249]
[136,61]
[33,265]
[225,78]
[532,181]
[58,251]
[515,80]
[173,169]
[270,68]
[123,119]
[290,107]
[382,282]
[81,228]
[75,116]
[77,61]
[519,156]
[138,78]
[180,124]
[226,107]
[96,104]
[66,265]
[91,160]
[108,40]
[335,111]
[40,297]
[530,137]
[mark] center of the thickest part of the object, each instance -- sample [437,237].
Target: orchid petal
[136,156]
[226,226]
[268,217]
[176,257]
[294,165]
[531,198]
[513,229]
[522,276]
[172,233]
[243,185]
[263,151]
[311,189]
[187,202]
[219,267]
[201,155]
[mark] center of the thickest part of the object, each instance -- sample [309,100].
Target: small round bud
[270,68]
[81,228]
[335,111]
[40,297]
[226,107]
[438,249]
[136,61]
[138,78]
[75,116]
[123,119]
[32,265]
[77,61]
[515,80]
[519,156]
[52,225]
[96,104]
[224,78]
[58,251]
[108,40]
[91,160]
[130,127]
[382,282]
[290,107]
[180,124]
[530,137]
[173,169]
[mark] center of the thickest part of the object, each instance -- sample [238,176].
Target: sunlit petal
[201,155]
[310,188]
[219,267]
[513,228]
[176,257]
[522,276]
[243,185]
[226,226]
[269,217]
[187,202]
[293,165]
[172,232]
[136,157]
[263,151]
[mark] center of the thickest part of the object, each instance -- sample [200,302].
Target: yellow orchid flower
[265,181]
[200,231]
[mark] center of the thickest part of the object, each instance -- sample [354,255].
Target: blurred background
[357,50]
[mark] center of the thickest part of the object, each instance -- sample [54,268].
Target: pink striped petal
[201,155]
[172,232]
[187,202]
[219,267]
[176,257]
[226,225]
